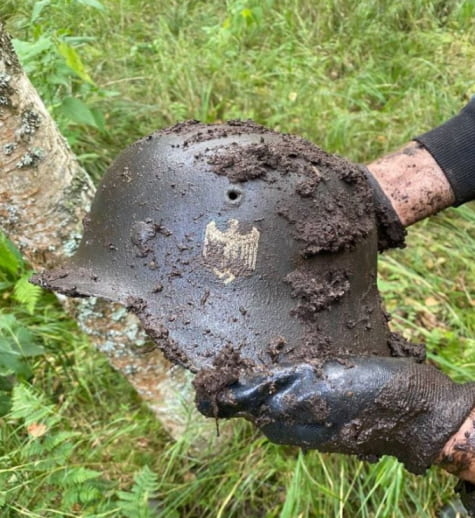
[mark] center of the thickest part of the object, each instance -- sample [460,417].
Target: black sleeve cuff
[453,147]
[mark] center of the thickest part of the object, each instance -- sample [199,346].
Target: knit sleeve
[453,147]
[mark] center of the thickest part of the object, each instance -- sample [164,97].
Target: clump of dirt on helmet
[196,132]
[228,366]
[317,292]
[402,348]
[332,227]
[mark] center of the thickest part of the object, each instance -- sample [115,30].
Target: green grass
[357,78]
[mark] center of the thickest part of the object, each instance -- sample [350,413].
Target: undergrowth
[358,79]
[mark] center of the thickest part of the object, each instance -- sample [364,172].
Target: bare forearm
[413,182]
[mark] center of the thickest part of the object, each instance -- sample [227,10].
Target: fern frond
[73,476]
[31,407]
[26,293]
[146,481]
[135,503]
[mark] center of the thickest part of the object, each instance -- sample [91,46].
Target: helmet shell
[234,237]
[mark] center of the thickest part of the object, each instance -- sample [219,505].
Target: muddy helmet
[232,237]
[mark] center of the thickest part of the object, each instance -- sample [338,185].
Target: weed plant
[358,79]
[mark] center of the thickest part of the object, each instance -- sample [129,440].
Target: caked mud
[239,248]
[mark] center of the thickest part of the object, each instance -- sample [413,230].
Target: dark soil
[391,234]
[318,292]
[142,233]
[400,347]
[197,132]
[228,367]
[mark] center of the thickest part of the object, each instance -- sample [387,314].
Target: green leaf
[10,258]
[76,111]
[38,9]
[134,503]
[92,3]
[6,383]
[61,74]
[28,51]
[69,476]
[74,62]
[13,365]
[99,119]
[5,403]
[17,339]
[32,407]
[16,344]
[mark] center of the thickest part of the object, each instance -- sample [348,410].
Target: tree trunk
[44,195]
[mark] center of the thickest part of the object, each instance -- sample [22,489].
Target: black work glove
[370,406]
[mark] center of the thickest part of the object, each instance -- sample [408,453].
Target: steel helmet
[231,239]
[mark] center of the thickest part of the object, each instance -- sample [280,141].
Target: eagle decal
[231,253]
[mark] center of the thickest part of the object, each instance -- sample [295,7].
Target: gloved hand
[369,406]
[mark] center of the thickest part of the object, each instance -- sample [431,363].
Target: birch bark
[44,195]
